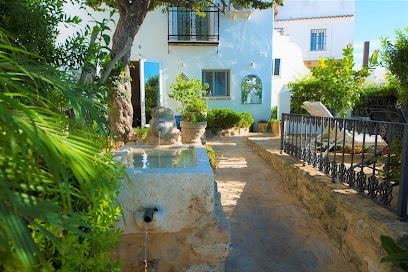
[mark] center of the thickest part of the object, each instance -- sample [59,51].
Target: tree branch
[108,70]
[85,74]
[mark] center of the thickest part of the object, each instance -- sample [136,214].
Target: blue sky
[375,19]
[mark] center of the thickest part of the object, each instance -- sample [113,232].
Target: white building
[232,52]
[224,50]
[322,28]
[288,66]
[246,63]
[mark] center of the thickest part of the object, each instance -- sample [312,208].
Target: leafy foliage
[225,118]
[58,185]
[396,254]
[246,120]
[222,118]
[274,113]
[87,51]
[213,156]
[189,92]
[395,58]
[333,82]
[32,24]
[380,96]
[391,159]
[152,90]
[194,5]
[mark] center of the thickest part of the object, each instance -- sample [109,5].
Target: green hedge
[376,97]
[224,118]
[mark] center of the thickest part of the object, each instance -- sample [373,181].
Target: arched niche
[251,90]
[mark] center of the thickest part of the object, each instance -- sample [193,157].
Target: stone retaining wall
[351,220]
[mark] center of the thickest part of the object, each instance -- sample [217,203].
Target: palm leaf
[51,170]
[396,254]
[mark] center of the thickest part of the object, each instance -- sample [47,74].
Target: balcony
[185,27]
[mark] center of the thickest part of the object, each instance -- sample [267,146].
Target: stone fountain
[186,228]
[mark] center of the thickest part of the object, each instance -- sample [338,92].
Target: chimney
[365,53]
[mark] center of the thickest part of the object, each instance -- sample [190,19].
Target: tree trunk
[130,19]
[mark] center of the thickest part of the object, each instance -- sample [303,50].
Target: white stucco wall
[242,42]
[245,48]
[291,67]
[297,18]
[68,30]
[315,8]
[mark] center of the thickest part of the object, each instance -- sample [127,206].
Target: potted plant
[193,110]
[274,122]
[275,127]
[262,126]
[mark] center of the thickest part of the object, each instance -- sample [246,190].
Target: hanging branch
[86,70]
[108,70]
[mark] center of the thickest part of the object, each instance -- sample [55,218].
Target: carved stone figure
[163,129]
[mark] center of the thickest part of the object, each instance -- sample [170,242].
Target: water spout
[155,265]
[148,214]
[145,160]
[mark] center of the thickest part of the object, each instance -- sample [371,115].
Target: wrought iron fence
[368,156]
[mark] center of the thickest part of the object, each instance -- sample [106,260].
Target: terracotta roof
[315,18]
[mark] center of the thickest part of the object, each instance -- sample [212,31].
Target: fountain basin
[182,195]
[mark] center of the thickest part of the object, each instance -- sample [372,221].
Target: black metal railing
[185,26]
[369,156]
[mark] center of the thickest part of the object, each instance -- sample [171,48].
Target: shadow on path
[270,229]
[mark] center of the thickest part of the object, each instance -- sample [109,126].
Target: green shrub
[140,133]
[304,90]
[274,113]
[223,118]
[385,96]
[246,120]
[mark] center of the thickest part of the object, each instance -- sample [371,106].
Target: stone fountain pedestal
[201,248]
[188,232]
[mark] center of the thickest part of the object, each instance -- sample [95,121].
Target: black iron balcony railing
[368,156]
[186,27]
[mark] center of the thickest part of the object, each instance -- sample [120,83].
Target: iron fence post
[282,130]
[403,184]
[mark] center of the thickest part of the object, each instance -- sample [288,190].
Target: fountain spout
[148,214]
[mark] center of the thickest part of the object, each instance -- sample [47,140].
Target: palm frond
[53,173]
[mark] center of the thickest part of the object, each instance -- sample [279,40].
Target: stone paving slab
[270,229]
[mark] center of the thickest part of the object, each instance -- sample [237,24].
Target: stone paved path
[270,228]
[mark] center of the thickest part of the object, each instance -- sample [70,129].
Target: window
[186,26]
[318,40]
[218,81]
[276,67]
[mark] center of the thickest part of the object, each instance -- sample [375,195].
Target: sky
[375,19]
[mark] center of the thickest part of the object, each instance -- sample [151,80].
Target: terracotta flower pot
[275,127]
[262,127]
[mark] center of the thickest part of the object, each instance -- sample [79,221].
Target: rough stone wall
[353,221]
